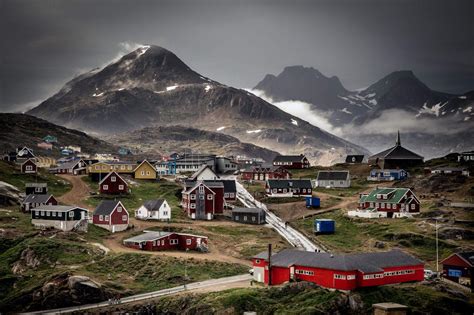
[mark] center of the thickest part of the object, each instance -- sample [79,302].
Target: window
[192,206]
[376,205]
[188,241]
[382,205]
[226,195]
[351,277]
[104,167]
[236,217]
[412,206]
[42,213]
[37,212]
[124,217]
[162,242]
[121,187]
[201,189]
[122,167]
[231,195]
[38,189]
[174,241]
[101,218]
[284,190]
[371,204]
[129,167]
[245,218]
[97,167]
[48,213]
[154,243]
[165,213]
[193,196]
[253,218]
[304,272]
[53,214]
[209,197]
[257,261]
[106,218]
[29,168]
[340,277]
[143,172]
[71,214]
[105,187]
[113,178]
[119,209]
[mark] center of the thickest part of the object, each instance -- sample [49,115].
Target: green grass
[354,234]
[12,175]
[306,299]
[143,273]
[145,190]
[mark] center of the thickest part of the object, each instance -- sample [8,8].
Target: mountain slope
[25,130]
[437,122]
[162,140]
[152,87]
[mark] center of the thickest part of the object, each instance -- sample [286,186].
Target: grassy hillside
[24,130]
[13,176]
[303,298]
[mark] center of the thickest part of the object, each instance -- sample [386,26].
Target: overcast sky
[45,43]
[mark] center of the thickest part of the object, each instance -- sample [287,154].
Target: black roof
[365,262]
[37,198]
[354,158]
[289,158]
[247,210]
[154,204]
[106,207]
[287,183]
[397,153]
[333,175]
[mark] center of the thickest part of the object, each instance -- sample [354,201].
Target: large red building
[203,200]
[262,173]
[113,183]
[337,271]
[157,240]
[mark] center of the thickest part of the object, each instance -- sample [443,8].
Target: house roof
[109,174]
[248,210]
[333,175]
[144,162]
[201,169]
[398,170]
[42,198]
[208,184]
[57,208]
[155,235]
[289,158]
[365,262]
[106,207]
[287,183]
[267,168]
[68,165]
[29,160]
[154,205]
[394,195]
[468,257]
[36,185]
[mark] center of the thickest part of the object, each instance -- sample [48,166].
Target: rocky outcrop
[28,260]
[9,194]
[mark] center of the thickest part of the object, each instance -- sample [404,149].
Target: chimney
[269,264]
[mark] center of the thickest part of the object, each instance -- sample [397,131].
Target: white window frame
[210,197]
[107,218]
[71,214]
[121,187]
[113,179]
[119,209]
[60,214]
[193,196]
[192,206]
[105,187]
[124,217]
[188,241]
[174,241]
[101,218]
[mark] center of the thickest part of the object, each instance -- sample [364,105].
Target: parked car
[430,274]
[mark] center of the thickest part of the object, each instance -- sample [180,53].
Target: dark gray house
[33,200]
[36,188]
[248,215]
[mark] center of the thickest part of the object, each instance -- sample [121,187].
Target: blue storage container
[324,226]
[312,202]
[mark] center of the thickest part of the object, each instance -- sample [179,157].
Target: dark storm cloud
[45,43]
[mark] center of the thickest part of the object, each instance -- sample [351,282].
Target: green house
[50,139]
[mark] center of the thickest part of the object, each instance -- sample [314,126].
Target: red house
[155,241]
[113,183]
[459,267]
[203,200]
[337,271]
[262,173]
[291,161]
[29,167]
[111,215]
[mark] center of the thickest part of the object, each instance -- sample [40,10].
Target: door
[198,241]
[83,215]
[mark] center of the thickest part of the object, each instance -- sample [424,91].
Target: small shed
[324,226]
[313,202]
[248,215]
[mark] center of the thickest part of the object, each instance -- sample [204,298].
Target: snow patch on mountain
[220,128]
[254,131]
[345,110]
[171,88]
[433,110]
[294,122]
[467,109]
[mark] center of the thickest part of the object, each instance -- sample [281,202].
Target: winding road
[78,193]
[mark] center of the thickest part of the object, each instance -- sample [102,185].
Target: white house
[204,173]
[333,179]
[157,209]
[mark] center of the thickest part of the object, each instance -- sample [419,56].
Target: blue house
[387,175]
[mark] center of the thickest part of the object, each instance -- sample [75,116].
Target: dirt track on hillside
[78,193]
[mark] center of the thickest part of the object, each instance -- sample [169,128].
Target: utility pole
[437,251]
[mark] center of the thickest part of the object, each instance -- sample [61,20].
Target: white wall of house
[207,174]
[333,183]
[164,213]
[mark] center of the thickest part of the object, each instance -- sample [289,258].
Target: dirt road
[78,193]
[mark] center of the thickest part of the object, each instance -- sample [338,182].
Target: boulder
[9,194]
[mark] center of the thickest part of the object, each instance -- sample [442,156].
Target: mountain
[436,123]
[162,140]
[151,86]
[24,130]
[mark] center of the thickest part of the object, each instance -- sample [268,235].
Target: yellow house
[107,167]
[145,171]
